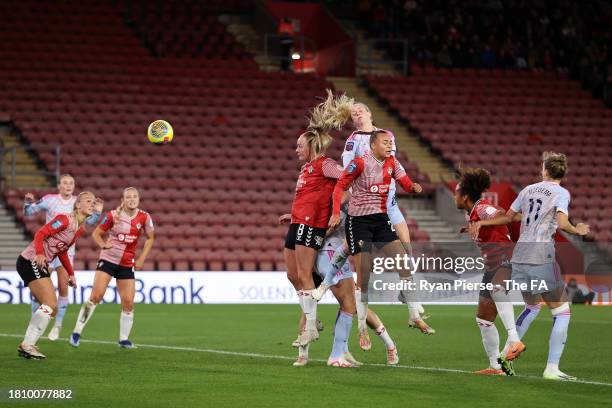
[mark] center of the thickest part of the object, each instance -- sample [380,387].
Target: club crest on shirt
[138,226]
[389,170]
[310,170]
[349,146]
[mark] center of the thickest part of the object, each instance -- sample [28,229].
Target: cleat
[507,366]
[320,326]
[340,362]
[30,352]
[364,340]
[300,362]
[557,375]
[392,356]
[318,293]
[308,336]
[490,371]
[74,339]
[126,344]
[349,357]
[54,333]
[422,326]
[515,350]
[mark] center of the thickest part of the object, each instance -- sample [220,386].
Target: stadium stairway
[253,42]
[369,61]
[416,151]
[423,213]
[12,239]
[26,165]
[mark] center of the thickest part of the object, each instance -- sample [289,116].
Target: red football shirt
[313,192]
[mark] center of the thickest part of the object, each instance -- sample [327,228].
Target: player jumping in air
[358,144]
[544,208]
[367,221]
[496,247]
[310,213]
[53,205]
[52,241]
[125,226]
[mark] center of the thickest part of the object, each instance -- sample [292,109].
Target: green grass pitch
[240,355]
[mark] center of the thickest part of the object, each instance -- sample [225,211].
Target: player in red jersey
[496,247]
[309,217]
[368,222]
[125,226]
[50,242]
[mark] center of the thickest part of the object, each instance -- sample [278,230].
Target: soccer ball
[160,132]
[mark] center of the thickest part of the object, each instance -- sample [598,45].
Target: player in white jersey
[53,205]
[543,208]
[50,242]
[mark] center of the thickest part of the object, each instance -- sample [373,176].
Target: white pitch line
[279,357]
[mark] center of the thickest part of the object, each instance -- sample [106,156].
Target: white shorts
[324,258]
[393,210]
[538,278]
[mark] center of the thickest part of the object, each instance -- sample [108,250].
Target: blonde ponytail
[330,114]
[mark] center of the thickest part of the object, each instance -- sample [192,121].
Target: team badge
[310,170]
[389,171]
[138,226]
[349,146]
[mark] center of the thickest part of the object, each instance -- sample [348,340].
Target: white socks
[558,336]
[125,325]
[84,315]
[505,311]
[362,311]
[309,307]
[38,324]
[384,336]
[62,306]
[490,341]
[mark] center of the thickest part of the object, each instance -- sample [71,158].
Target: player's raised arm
[354,169]
[30,207]
[93,219]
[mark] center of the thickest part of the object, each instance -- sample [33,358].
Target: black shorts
[114,270]
[29,271]
[362,231]
[488,277]
[302,234]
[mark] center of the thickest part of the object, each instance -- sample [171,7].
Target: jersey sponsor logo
[128,239]
[56,224]
[349,146]
[351,168]
[379,188]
